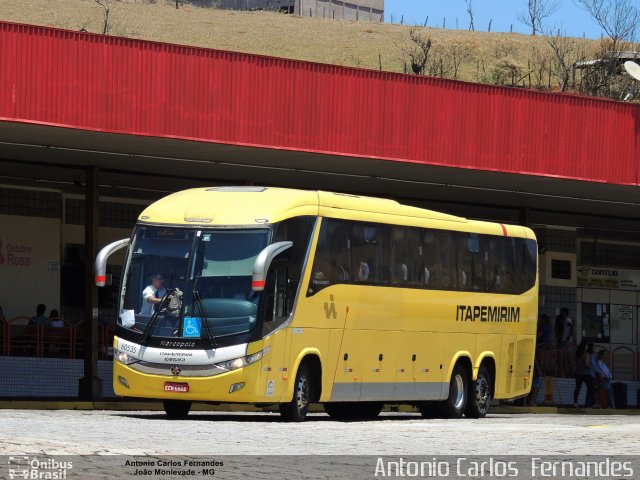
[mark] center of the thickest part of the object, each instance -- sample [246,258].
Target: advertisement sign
[609,278]
[29,264]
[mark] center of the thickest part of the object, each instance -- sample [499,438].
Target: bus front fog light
[123,381]
[235,387]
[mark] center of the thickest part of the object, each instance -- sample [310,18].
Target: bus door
[275,312]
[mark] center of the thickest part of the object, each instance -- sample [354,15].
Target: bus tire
[296,410]
[479,396]
[176,408]
[454,406]
[353,410]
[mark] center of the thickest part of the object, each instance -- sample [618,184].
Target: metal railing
[21,338]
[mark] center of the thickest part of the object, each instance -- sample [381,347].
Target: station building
[365,10]
[93,128]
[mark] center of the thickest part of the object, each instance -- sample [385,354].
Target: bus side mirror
[101,260]
[263,261]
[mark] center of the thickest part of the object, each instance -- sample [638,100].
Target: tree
[470,13]
[105,25]
[567,51]
[617,18]
[418,53]
[619,21]
[536,11]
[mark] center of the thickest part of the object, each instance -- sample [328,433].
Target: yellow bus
[284,297]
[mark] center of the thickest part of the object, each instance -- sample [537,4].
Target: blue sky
[571,18]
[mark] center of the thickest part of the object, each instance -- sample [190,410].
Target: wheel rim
[458,383]
[482,393]
[303,394]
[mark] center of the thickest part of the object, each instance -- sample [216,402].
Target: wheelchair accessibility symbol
[191,327]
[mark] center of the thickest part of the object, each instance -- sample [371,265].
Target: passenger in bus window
[363,272]
[427,275]
[400,274]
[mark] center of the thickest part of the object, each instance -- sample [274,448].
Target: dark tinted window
[297,230]
[377,254]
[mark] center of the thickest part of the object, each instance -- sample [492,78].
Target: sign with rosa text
[28,245]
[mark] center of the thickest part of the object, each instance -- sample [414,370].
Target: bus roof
[255,206]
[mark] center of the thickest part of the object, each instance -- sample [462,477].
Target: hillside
[475,56]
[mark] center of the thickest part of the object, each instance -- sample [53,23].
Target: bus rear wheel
[454,406]
[176,408]
[296,410]
[353,410]
[479,397]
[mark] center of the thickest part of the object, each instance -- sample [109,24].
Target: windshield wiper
[154,317]
[197,300]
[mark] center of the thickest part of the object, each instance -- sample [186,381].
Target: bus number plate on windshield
[176,387]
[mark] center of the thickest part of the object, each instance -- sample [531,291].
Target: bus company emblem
[176,370]
[330,309]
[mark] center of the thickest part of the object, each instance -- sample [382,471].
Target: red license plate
[176,387]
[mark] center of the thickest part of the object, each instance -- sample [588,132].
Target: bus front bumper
[235,386]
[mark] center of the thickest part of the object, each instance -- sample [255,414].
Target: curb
[316,408]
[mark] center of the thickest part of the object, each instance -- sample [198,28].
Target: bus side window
[297,230]
[370,253]
[277,306]
[332,262]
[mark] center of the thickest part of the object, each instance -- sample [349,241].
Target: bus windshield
[191,284]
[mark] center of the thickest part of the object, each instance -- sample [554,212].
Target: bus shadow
[266,417]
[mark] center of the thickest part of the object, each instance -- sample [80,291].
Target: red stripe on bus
[504,230]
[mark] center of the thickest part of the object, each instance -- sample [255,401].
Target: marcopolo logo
[14,254]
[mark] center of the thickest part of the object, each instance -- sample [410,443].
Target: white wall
[30,275]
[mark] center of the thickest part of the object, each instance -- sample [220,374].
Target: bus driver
[152,295]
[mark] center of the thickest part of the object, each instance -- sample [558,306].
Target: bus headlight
[124,357]
[242,361]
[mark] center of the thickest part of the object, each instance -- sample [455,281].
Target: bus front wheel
[296,410]
[176,408]
[454,406]
[479,397]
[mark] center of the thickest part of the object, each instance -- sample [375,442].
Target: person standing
[152,295]
[564,328]
[604,376]
[585,373]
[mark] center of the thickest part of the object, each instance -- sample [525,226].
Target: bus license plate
[176,387]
